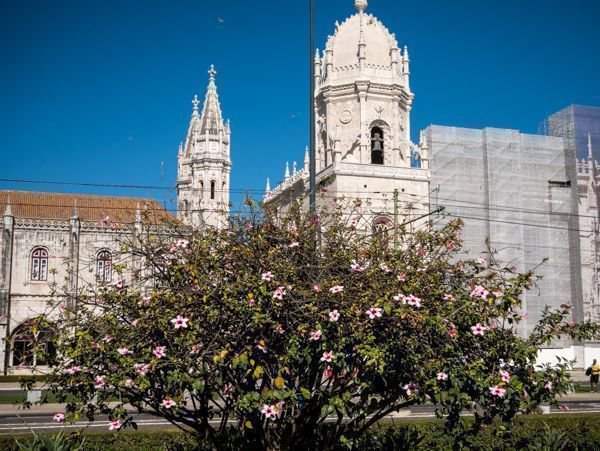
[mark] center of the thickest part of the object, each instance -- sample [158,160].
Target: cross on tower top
[212,72]
[195,102]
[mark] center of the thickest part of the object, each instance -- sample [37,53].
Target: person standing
[595,375]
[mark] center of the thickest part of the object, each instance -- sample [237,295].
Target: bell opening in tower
[376,146]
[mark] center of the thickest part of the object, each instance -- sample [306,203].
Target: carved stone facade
[363,102]
[204,164]
[54,245]
[588,196]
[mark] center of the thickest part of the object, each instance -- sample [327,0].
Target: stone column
[8,225]
[73,277]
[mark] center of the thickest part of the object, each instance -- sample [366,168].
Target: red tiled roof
[38,205]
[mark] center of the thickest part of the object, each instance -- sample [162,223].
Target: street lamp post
[312,165]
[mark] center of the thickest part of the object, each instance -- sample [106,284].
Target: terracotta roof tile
[59,206]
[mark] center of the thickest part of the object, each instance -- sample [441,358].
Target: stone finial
[590,157]
[268,187]
[361,5]
[287,171]
[180,151]
[74,212]
[317,57]
[8,210]
[306,159]
[294,168]
[195,102]
[212,72]
[138,214]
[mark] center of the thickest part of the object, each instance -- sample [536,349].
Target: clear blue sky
[100,91]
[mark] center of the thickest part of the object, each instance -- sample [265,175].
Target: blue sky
[100,91]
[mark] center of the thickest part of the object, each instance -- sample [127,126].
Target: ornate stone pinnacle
[212,72]
[195,102]
[361,5]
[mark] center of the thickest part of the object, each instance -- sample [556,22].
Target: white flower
[269,411]
[374,312]
[59,417]
[315,335]
[168,403]
[327,356]
[441,376]
[334,315]
[115,425]
[180,322]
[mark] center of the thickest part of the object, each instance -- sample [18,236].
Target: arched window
[104,267]
[376,146]
[415,160]
[32,349]
[39,264]
[382,227]
[201,189]
[212,189]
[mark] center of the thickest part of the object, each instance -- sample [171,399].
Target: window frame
[38,263]
[104,270]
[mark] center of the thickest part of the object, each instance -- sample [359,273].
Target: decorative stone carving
[346,117]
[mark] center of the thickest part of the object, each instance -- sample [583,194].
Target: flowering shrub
[280,324]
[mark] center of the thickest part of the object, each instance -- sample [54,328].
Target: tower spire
[589,145]
[195,102]
[268,187]
[211,119]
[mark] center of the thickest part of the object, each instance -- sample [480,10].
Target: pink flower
[141,368]
[196,349]
[115,425]
[549,385]
[159,352]
[95,346]
[482,261]
[128,383]
[180,322]
[411,389]
[453,333]
[269,411]
[497,294]
[479,329]
[227,389]
[268,276]
[248,226]
[479,292]
[145,300]
[441,376]
[107,338]
[99,382]
[384,267]
[414,301]
[74,369]
[421,270]
[327,356]
[182,243]
[315,335]
[505,376]
[123,351]
[400,297]
[449,245]
[497,391]
[566,306]
[59,417]
[279,293]
[336,289]
[401,277]
[119,283]
[328,372]
[251,302]
[356,267]
[374,312]
[448,297]
[279,329]
[317,288]
[334,315]
[293,244]
[167,403]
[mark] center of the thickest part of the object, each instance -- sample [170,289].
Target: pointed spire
[8,210]
[180,148]
[211,118]
[287,171]
[294,168]
[590,156]
[268,187]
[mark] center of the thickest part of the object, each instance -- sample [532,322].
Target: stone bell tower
[363,102]
[204,164]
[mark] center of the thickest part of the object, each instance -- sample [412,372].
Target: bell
[376,144]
